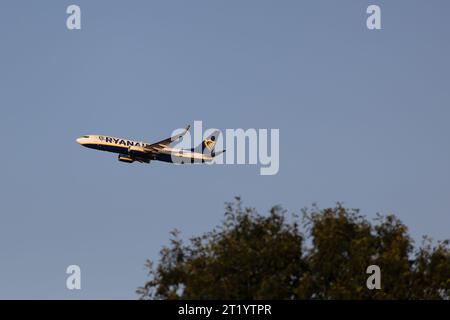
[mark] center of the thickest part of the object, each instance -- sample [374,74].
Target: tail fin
[208,144]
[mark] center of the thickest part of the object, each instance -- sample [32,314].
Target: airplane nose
[79,141]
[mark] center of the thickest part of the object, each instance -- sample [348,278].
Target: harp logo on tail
[210,143]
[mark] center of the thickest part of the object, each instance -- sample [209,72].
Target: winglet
[178,136]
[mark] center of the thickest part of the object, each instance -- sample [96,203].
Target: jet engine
[125,158]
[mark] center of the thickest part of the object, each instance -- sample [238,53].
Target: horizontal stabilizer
[218,153]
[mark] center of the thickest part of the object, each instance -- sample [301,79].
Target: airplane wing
[158,146]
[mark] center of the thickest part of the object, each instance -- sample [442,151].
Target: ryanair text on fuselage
[124,142]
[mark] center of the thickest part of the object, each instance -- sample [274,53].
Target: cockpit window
[85,136]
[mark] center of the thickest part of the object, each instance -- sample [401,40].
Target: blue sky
[363,118]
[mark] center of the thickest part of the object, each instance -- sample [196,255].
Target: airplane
[130,151]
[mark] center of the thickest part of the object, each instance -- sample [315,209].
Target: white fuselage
[139,149]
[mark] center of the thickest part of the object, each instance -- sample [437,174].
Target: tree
[253,256]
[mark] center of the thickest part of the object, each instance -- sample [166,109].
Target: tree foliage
[322,255]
